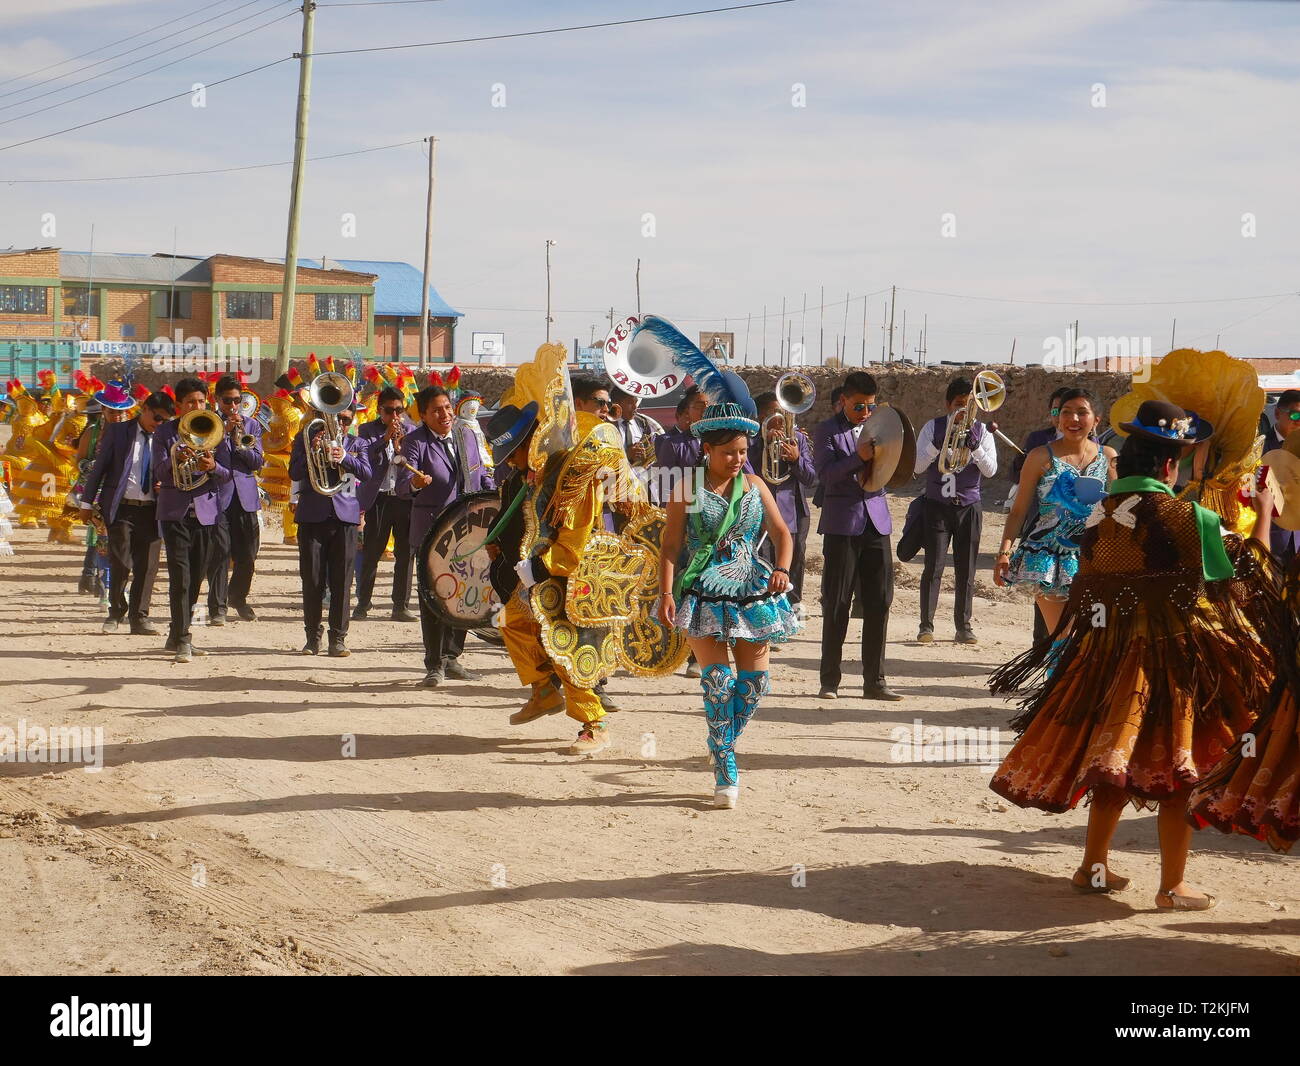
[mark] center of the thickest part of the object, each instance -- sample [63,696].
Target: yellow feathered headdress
[545,382]
[1226,393]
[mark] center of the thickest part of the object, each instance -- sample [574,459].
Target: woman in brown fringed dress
[1165,663]
[1256,790]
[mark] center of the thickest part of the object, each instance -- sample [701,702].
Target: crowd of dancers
[1163,670]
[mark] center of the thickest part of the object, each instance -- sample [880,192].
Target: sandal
[1184,903]
[1114,883]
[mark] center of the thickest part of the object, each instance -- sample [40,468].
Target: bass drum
[453,568]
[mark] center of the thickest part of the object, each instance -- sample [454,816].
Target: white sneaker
[725,798]
[800,613]
[110,625]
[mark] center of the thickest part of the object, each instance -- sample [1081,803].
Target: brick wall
[386,330]
[40,263]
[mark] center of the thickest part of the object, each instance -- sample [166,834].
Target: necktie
[451,456]
[627,435]
[146,467]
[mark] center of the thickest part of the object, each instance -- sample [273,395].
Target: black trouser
[863,564]
[189,548]
[133,548]
[947,521]
[800,535]
[442,642]
[237,540]
[326,552]
[390,515]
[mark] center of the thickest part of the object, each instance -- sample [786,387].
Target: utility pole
[1013,351]
[428,261]
[893,290]
[864,331]
[1173,332]
[765,334]
[903,336]
[289,291]
[638,288]
[844,344]
[803,328]
[780,337]
[549,245]
[745,358]
[821,330]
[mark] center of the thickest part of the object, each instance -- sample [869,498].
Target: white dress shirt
[135,468]
[984,455]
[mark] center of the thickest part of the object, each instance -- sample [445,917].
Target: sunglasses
[228,399]
[1055,411]
[860,407]
[603,403]
[392,410]
[1293,415]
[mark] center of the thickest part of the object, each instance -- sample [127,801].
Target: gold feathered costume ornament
[1226,393]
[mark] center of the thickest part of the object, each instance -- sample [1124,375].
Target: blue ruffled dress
[1048,556]
[729,600]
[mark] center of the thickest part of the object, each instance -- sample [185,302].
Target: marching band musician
[436,473]
[238,535]
[386,508]
[124,486]
[678,451]
[791,495]
[639,432]
[188,517]
[855,527]
[952,512]
[327,531]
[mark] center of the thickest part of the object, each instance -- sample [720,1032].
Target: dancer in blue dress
[730,602]
[1063,479]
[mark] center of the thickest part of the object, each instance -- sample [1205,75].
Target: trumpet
[795,394]
[199,431]
[330,394]
[987,394]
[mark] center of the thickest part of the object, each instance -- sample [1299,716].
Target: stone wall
[917,392]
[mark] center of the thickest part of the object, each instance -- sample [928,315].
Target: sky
[956,151]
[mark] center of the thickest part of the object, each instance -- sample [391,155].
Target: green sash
[1215,564]
[704,552]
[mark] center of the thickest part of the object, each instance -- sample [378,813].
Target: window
[250,305]
[80,303]
[23,299]
[338,306]
[179,304]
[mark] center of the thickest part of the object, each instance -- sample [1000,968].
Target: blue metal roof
[397,290]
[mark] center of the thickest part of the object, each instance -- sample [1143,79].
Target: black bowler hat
[1167,423]
[508,428]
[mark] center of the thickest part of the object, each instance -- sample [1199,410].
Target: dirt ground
[230,833]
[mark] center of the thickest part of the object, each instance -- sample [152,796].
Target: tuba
[200,431]
[330,394]
[987,394]
[795,394]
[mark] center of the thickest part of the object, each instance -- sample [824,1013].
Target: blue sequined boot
[751,686]
[719,685]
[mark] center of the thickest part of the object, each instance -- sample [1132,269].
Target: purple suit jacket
[172,502]
[244,463]
[424,454]
[372,433]
[846,509]
[791,494]
[108,475]
[312,506]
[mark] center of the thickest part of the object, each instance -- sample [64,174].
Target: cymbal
[891,433]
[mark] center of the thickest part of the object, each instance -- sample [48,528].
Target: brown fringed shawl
[1141,586]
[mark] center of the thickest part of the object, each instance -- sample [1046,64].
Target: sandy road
[230,831]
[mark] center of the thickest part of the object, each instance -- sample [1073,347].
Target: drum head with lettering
[453,566]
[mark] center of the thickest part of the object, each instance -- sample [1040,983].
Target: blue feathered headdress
[730,405]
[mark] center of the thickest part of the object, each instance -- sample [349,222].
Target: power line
[557,29]
[152,70]
[195,173]
[110,44]
[380,3]
[109,59]
[142,107]
[1099,303]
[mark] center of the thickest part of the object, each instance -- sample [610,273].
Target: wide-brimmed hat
[1167,423]
[509,428]
[115,396]
[724,416]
